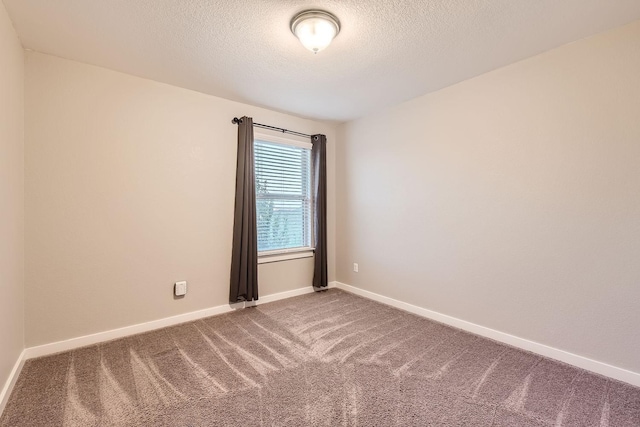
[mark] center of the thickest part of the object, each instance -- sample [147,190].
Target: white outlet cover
[180,288]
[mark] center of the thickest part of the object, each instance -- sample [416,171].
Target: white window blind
[283,196]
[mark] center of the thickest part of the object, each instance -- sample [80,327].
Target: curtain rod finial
[236,121]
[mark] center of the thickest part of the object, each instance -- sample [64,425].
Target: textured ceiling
[388,50]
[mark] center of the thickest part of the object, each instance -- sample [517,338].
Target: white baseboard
[73,343]
[601,368]
[11,381]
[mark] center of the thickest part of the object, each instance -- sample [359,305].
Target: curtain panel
[244,255]
[319,160]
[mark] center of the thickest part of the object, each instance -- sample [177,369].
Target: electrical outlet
[355,267]
[180,288]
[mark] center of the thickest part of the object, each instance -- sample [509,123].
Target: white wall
[130,187]
[11,197]
[511,200]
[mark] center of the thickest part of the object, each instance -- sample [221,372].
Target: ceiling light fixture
[315,29]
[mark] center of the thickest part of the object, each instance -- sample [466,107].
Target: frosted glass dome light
[315,29]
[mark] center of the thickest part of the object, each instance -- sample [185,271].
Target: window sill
[285,255]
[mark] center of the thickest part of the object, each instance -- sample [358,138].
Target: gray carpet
[326,359]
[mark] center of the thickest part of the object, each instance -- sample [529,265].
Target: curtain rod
[237,121]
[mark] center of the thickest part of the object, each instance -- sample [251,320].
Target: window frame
[286,254]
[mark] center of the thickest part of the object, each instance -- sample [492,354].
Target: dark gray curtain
[244,255]
[319,159]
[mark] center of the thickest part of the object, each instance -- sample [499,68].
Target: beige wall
[11,197]
[511,200]
[130,187]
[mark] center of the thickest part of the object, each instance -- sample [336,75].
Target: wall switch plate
[180,288]
[355,267]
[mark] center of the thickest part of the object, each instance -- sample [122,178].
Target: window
[283,195]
